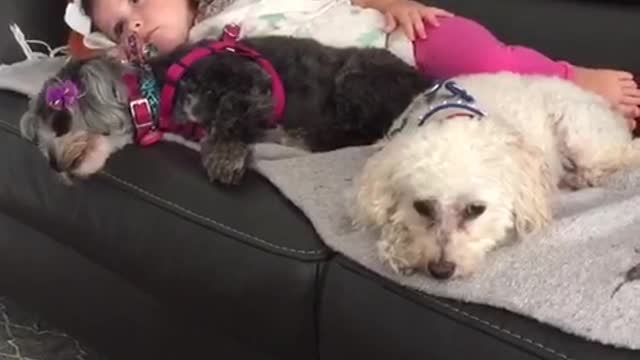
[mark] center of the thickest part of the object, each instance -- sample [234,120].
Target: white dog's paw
[401,267]
[400,260]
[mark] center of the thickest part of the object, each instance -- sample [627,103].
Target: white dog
[443,194]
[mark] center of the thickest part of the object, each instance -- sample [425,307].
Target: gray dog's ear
[30,120]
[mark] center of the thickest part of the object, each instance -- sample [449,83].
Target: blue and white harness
[445,99]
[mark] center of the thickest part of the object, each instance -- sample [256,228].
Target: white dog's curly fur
[443,195]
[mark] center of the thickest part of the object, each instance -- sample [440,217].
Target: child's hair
[87,7]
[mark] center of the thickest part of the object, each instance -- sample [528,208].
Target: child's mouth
[137,49]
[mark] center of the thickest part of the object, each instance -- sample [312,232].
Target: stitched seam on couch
[12,129]
[497,327]
[188,212]
[463,313]
[205,219]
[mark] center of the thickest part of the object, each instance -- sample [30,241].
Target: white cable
[21,40]
[26,45]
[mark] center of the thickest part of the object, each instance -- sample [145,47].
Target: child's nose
[135,25]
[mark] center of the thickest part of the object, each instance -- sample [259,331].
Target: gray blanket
[565,277]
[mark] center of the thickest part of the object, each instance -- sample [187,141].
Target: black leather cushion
[242,258]
[98,306]
[366,317]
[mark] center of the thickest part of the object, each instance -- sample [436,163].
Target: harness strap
[149,132]
[228,43]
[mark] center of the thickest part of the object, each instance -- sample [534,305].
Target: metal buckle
[132,107]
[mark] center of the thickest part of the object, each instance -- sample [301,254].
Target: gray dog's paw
[225,162]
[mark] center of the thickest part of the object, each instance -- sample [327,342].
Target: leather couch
[149,261]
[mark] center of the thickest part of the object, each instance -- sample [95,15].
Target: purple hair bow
[62,95]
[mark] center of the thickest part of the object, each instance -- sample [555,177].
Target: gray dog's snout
[53,162]
[442,269]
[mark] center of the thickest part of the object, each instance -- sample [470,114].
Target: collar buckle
[134,107]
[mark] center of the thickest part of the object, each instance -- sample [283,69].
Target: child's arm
[409,14]
[380,5]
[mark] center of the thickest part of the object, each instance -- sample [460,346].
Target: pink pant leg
[461,46]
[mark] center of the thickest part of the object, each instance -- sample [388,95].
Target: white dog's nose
[442,269]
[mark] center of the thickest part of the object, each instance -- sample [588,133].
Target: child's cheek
[166,42]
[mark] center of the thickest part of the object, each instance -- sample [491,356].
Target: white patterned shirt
[335,23]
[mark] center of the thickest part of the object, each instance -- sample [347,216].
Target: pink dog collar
[146,132]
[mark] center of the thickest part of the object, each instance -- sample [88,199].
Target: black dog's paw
[225,162]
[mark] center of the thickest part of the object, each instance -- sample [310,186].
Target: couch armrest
[38,19]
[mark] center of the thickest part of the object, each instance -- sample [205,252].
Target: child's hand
[411,15]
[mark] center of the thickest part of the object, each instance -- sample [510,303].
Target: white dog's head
[446,194]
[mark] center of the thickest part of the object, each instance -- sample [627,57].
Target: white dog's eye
[473,211]
[425,208]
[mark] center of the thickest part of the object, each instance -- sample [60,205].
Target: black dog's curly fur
[334,98]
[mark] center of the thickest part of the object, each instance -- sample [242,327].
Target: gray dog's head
[80,117]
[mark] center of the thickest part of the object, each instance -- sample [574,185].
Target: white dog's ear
[374,199]
[533,188]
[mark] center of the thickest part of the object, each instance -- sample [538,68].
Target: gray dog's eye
[61,122]
[473,211]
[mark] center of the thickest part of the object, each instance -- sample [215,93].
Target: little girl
[443,45]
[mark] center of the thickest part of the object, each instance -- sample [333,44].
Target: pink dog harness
[149,132]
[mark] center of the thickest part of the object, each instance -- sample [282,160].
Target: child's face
[164,23]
